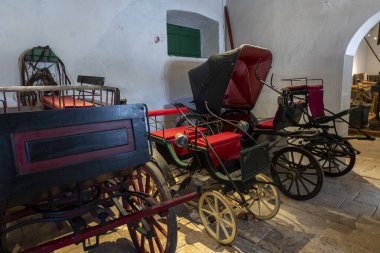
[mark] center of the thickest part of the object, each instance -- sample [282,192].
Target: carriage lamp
[181,140]
[243,125]
[286,99]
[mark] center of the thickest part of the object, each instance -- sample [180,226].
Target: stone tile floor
[343,217]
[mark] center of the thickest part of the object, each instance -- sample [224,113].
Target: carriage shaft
[101,229]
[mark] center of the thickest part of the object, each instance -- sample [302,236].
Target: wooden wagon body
[43,150]
[91,159]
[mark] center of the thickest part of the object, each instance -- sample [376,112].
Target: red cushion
[226,145]
[266,124]
[219,139]
[169,134]
[316,104]
[62,102]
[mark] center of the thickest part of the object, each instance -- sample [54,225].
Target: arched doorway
[348,62]
[349,57]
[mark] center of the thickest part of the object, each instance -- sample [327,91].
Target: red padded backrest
[316,105]
[244,88]
[239,89]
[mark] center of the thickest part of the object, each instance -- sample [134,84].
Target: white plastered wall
[312,38]
[360,59]
[123,40]
[372,63]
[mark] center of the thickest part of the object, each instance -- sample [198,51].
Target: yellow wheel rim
[263,199]
[217,217]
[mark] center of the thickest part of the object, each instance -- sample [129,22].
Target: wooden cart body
[64,164]
[57,148]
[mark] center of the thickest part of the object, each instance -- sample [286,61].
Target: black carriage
[227,87]
[228,169]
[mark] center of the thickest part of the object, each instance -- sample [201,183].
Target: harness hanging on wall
[40,66]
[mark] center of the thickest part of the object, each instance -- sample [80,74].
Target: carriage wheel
[217,217]
[263,201]
[297,173]
[157,233]
[161,163]
[336,158]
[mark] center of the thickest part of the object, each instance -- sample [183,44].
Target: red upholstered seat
[169,134]
[62,102]
[219,139]
[268,124]
[226,145]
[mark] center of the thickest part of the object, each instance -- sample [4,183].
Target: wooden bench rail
[56,88]
[35,98]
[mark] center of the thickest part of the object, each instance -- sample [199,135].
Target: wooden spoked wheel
[156,233]
[337,158]
[263,199]
[297,173]
[217,217]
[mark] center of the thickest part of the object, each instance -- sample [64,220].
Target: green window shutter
[173,40]
[184,41]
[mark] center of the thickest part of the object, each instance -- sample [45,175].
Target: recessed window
[191,34]
[184,41]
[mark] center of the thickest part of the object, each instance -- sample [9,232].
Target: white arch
[348,61]
[361,33]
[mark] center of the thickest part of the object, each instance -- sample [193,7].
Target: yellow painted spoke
[265,204]
[225,211]
[268,197]
[252,203]
[209,204]
[208,211]
[218,229]
[216,204]
[227,222]
[258,204]
[224,229]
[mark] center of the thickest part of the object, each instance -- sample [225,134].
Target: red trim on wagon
[25,167]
